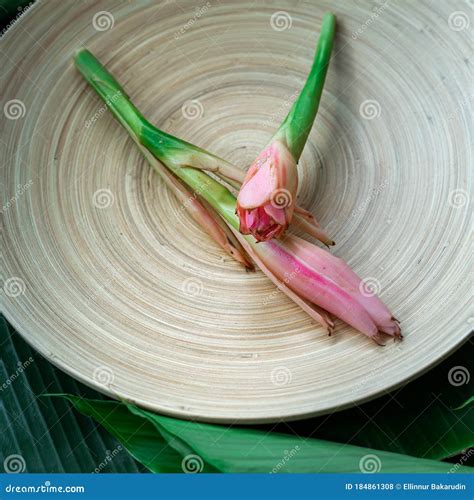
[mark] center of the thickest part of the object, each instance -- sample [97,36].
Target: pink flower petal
[318,314]
[336,269]
[277,214]
[259,188]
[272,175]
[317,287]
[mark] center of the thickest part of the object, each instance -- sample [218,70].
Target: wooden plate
[106,275]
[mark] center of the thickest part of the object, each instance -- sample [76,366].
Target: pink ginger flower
[266,200]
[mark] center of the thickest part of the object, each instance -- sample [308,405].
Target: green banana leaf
[431,417]
[170,445]
[67,441]
[466,403]
[45,434]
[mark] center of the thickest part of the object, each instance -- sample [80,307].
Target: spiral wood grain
[107,276]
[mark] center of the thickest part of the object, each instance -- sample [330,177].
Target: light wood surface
[106,275]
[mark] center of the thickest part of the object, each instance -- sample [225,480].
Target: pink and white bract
[266,200]
[320,279]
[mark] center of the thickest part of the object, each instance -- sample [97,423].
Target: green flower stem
[111,92]
[171,151]
[295,128]
[217,195]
